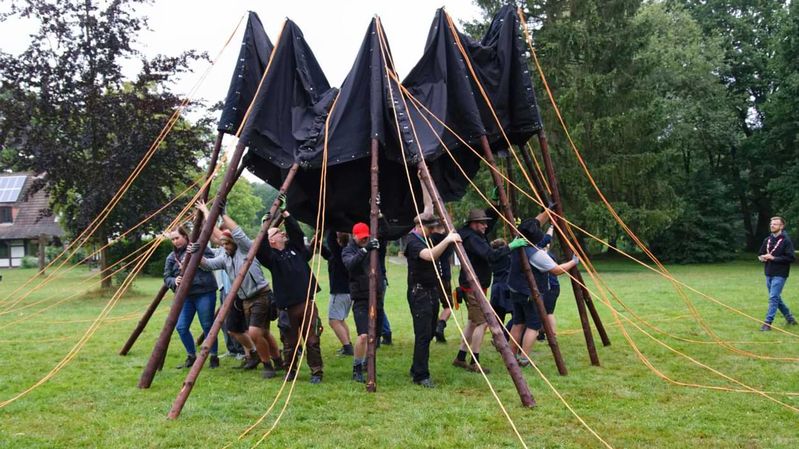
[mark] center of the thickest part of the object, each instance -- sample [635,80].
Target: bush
[30,262]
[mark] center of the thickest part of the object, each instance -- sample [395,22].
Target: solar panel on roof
[10,188]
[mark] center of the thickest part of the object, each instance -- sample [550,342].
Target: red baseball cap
[360,230]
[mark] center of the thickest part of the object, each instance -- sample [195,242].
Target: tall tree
[68,112]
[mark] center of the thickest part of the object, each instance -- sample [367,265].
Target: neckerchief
[769,249]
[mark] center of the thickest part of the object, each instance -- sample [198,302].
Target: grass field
[93,401]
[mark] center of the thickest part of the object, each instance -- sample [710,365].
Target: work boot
[461,364]
[439,333]
[251,362]
[214,363]
[345,350]
[269,371]
[190,359]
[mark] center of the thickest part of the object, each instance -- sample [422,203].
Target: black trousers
[423,302]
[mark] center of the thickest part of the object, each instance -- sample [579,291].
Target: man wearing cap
[423,249]
[249,313]
[481,255]
[356,258]
[286,257]
[526,319]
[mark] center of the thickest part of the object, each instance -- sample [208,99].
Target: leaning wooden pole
[584,298]
[190,268]
[497,333]
[194,232]
[528,272]
[374,262]
[202,355]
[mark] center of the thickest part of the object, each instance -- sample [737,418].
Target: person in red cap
[357,261]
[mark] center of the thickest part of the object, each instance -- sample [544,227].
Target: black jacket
[480,254]
[356,259]
[781,248]
[336,271]
[290,270]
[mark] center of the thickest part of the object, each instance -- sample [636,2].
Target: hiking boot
[461,364]
[345,351]
[476,369]
[439,333]
[765,327]
[523,361]
[427,383]
[316,379]
[214,363]
[250,362]
[357,373]
[269,371]
[189,362]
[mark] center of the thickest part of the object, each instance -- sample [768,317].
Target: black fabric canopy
[253,57]
[295,102]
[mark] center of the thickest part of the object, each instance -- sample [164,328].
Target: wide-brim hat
[477,215]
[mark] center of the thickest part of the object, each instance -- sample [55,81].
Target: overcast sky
[333,29]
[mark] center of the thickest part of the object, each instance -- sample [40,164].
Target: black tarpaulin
[253,57]
[500,61]
[440,81]
[362,112]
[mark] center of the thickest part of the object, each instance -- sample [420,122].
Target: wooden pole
[144,320]
[511,190]
[142,324]
[374,262]
[205,348]
[584,298]
[528,272]
[42,249]
[496,329]
[190,267]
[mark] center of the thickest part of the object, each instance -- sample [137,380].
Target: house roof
[33,215]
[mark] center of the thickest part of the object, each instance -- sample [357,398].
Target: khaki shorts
[256,310]
[476,314]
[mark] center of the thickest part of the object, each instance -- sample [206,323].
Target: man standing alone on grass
[777,254]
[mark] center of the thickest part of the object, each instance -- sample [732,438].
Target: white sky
[333,29]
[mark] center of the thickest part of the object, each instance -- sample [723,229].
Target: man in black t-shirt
[423,249]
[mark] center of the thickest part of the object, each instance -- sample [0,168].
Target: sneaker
[426,383]
[240,356]
[792,322]
[269,371]
[765,327]
[316,379]
[188,363]
[214,363]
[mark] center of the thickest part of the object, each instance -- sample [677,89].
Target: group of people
[289,300]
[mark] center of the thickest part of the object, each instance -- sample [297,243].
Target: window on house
[4,251]
[5,215]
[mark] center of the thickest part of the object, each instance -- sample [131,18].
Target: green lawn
[94,402]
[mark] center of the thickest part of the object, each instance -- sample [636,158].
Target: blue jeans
[203,305]
[774,284]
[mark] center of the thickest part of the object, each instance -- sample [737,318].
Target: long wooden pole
[374,261]
[496,330]
[142,324]
[205,348]
[528,273]
[190,268]
[584,298]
